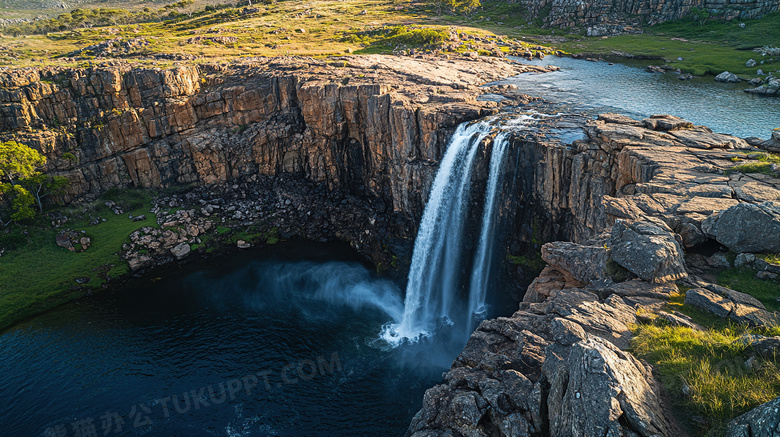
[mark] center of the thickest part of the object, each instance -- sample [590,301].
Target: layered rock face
[569,13]
[368,125]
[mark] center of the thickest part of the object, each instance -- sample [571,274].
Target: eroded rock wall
[373,126]
[570,13]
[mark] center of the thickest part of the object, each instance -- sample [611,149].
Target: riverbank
[702,49]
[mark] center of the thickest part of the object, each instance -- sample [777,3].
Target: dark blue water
[249,346]
[629,89]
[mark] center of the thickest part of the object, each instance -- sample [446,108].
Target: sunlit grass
[706,372]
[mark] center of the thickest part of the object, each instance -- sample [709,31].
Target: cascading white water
[432,288]
[437,250]
[483,259]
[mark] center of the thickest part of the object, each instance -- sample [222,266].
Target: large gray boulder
[597,390]
[576,262]
[647,250]
[181,250]
[746,227]
[727,303]
[727,77]
[762,421]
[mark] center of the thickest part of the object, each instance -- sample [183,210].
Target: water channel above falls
[627,88]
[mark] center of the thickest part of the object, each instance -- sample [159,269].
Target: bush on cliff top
[385,39]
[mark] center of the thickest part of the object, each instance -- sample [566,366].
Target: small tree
[22,184]
[41,186]
[21,203]
[19,161]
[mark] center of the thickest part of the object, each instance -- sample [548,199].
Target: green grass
[386,39]
[772,258]
[40,275]
[710,49]
[762,163]
[711,364]
[744,280]
[704,318]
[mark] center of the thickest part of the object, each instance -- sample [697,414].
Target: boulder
[576,262]
[746,227]
[744,259]
[771,86]
[750,63]
[181,250]
[727,303]
[596,389]
[762,421]
[719,260]
[767,347]
[727,77]
[678,319]
[241,244]
[666,123]
[74,241]
[648,251]
[709,301]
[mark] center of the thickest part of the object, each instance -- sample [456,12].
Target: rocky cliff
[648,205]
[336,149]
[370,125]
[570,13]
[368,129]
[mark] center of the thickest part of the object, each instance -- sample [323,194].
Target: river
[627,88]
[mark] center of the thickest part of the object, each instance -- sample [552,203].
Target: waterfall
[436,269]
[483,260]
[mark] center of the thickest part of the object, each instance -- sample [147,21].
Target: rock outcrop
[367,126]
[609,15]
[648,250]
[371,124]
[552,368]
[747,227]
[763,421]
